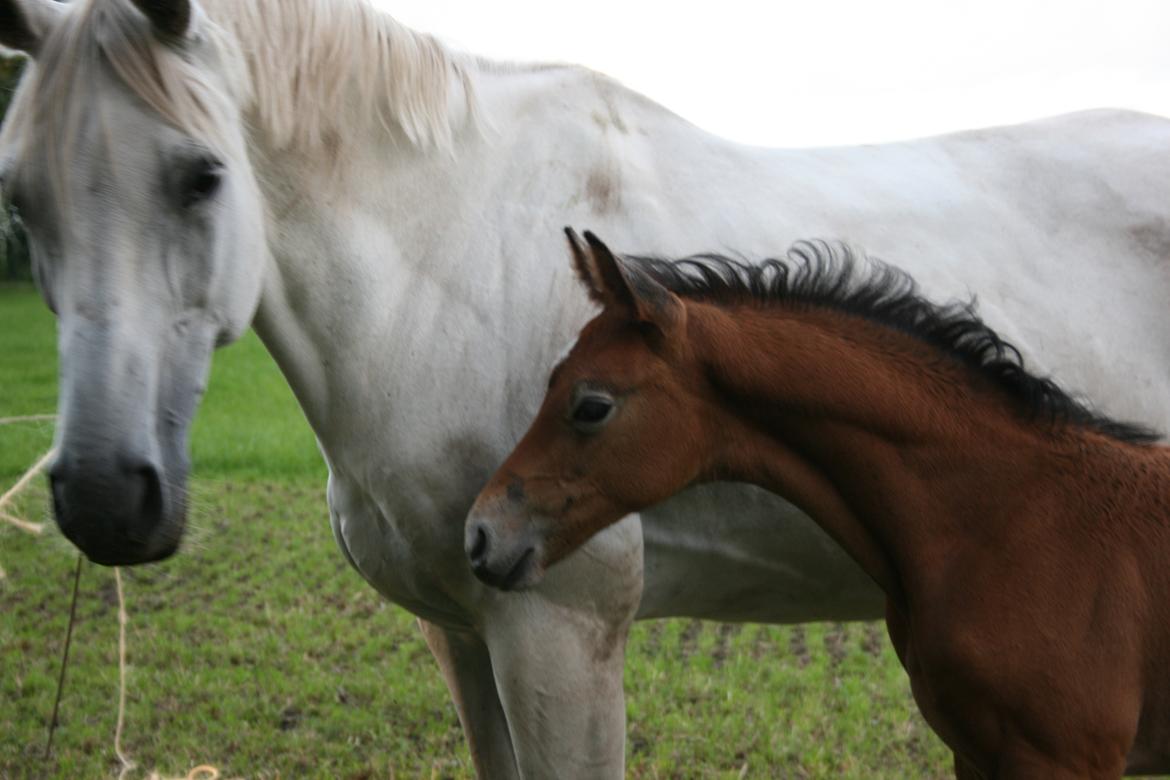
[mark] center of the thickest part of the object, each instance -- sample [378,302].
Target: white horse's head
[125,155]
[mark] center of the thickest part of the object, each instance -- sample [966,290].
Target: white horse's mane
[318,66]
[308,72]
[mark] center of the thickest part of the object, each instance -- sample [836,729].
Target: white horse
[388,214]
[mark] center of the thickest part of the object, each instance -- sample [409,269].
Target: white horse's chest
[388,546]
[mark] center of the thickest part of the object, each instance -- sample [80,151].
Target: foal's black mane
[817,273]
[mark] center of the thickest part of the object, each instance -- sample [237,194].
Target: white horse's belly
[737,553]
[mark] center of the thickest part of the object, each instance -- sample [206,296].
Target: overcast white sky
[820,72]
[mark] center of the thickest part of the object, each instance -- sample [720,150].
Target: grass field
[258,650]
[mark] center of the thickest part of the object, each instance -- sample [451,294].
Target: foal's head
[639,409]
[620,429]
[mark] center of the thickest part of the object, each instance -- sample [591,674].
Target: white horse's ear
[24,24]
[171,19]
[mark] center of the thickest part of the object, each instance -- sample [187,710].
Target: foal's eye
[202,181]
[592,411]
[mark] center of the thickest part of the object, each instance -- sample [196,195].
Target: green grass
[260,651]
[248,427]
[28,377]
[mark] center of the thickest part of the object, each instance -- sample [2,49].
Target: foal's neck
[888,443]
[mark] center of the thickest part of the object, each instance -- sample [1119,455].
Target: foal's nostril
[479,548]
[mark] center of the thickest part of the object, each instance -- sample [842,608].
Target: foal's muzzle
[508,561]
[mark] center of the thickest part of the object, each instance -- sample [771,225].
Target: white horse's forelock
[307,72]
[46,113]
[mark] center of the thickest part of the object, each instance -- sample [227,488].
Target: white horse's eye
[202,181]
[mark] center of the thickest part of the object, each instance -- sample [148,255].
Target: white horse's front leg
[558,653]
[466,666]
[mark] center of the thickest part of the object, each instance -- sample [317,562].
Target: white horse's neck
[382,242]
[379,232]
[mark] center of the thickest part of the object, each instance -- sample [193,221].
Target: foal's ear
[24,24]
[586,268]
[171,19]
[615,284]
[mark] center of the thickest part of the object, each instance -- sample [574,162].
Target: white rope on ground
[33,528]
[20,485]
[201,772]
[29,418]
[36,529]
[127,764]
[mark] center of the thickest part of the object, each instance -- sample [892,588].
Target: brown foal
[1023,541]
